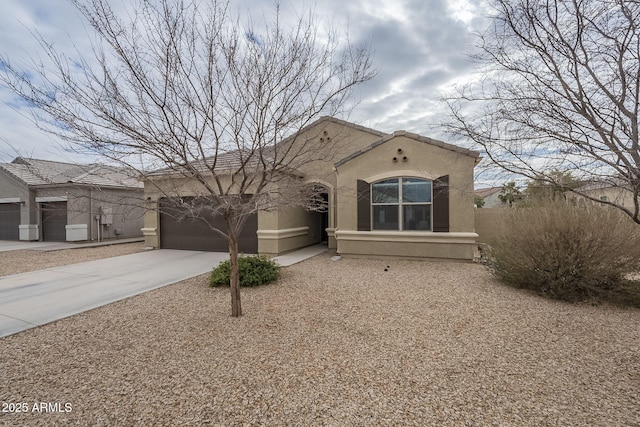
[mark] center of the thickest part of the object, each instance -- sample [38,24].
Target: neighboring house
[608,192]
[490,197]
[56,201]
[399,195]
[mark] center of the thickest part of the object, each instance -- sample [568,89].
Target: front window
[401,204]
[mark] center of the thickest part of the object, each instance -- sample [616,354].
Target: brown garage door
[9,221]
[193,234]
[54,221]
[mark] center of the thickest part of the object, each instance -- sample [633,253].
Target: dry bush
[569,253]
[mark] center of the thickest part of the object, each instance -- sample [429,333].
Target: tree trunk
[236,306]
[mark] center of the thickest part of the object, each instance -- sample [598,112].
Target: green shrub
[569,253]
[254,271]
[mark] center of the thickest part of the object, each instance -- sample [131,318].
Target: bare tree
[199,97]
[559,91]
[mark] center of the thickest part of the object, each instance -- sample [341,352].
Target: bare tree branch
[194,94]
[560,91]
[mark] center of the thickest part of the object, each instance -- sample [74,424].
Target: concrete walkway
[39,297]
[300,255]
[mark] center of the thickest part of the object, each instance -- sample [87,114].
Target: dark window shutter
[441,204]
[364,206]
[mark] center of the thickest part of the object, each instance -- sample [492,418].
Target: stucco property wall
[489,223]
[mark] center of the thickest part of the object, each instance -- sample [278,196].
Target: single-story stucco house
[614,192]
[490,197]
[387,195]
[56,201]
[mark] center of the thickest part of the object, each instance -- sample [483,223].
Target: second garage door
[54,221]
[193,234]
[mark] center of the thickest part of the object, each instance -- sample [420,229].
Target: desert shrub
[569,253]
[254,271]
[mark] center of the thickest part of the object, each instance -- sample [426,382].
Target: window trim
[400,203]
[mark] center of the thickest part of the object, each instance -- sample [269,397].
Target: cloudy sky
[420,48]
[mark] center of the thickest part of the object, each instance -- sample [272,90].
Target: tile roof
[484,192]
[231,161]
[35,172]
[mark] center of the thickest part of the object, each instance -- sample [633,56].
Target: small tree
[192,91]
[478,201]
[509,193]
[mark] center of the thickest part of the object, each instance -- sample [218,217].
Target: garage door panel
[180,232]
[9,221]
[54,221]
[248,240]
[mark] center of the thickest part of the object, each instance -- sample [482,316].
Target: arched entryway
[321,207]
[324,216]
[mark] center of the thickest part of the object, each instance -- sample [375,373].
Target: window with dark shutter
[441,204]
[401,204]
[364,206]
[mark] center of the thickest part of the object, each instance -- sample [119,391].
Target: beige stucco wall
[403,244]
[297,228]
[424,160]
[326,143]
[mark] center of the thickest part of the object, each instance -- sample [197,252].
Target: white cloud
[420,47]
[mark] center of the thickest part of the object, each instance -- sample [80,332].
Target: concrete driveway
[32,299]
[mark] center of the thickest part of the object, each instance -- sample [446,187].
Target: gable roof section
[231,161]
[415,136]
[485,192]
[338,122]
[36,172]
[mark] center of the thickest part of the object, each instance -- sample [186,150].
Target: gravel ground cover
[22,261]
[333,343]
